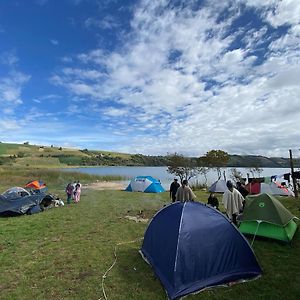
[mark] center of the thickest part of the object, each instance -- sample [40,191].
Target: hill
[50,156]
[261,161]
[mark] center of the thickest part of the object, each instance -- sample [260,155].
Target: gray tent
[218,186]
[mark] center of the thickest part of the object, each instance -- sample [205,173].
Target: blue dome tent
[192,247]
[146,184]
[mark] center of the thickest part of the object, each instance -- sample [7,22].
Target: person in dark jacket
[173,189]
[213,201]
[241,188]
[69,191]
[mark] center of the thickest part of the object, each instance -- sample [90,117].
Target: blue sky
[151,76]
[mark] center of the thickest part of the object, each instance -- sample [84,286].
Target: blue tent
[146,184]
[218,186]
[192,247]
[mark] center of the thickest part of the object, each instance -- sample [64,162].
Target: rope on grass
[258,223]
[114,262]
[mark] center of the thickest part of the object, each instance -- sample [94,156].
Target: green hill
[50,156]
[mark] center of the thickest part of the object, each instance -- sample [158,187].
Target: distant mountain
[261,161]
[50,156]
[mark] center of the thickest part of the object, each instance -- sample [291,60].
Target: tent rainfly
[271,188]
[192,247]
[146,184]
[218,186]
[265,216]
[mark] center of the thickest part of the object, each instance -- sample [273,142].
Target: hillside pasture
[63,253]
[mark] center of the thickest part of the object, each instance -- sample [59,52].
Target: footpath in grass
[62,253]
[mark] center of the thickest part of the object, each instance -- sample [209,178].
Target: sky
[153,76]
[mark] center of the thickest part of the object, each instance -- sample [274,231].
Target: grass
[62,253]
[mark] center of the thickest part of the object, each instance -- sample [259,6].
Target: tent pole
[293,178]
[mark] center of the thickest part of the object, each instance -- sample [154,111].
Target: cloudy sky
[152,76]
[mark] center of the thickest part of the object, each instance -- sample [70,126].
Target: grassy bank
[56,180]
[62,253]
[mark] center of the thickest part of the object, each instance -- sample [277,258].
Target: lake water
[166,178]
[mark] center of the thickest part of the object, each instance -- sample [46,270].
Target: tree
[183,167]
[256,170]
[215,159]
[236,175]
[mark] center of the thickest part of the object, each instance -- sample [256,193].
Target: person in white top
[233,202]
[185,193]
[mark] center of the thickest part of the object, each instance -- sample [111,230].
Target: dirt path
[104,185]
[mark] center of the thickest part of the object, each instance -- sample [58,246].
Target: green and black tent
[265,216]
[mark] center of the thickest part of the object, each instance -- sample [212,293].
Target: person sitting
[213,201]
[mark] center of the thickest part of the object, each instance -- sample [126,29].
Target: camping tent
[265,216]
[36,185]
[146,184]
[17,201]
[192,247]
[15,192]
[271,188]
[218,186]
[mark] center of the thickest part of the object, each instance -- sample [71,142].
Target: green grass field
[63,253]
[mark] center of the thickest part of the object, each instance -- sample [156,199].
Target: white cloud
[54,42]
[9,58]
[11,88]
[107,22]
[177,75]
[8,125]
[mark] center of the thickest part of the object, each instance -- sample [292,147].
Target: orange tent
[36,185]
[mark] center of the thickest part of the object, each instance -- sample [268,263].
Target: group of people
[73,191]
[181,193]
[233,198]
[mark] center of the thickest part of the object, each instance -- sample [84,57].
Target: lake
[166,178]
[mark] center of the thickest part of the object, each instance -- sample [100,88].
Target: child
[69,191]
[77,192]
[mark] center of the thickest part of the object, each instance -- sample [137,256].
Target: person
[233,202]
[173,189]
[77,192]
[74,188]
[241,188]
[185,193]
[69,191]
[213,201]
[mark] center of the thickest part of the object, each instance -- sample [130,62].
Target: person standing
[77,192]
[185,193]
[233,202]
[69,191]
[173,189]
[241,188]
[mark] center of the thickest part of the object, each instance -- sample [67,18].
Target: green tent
[265,216]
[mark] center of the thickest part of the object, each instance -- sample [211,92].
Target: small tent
[265,216]
[36,185]
[18,201]
[271,188]
[191,247]
[146,184]
[218,186]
